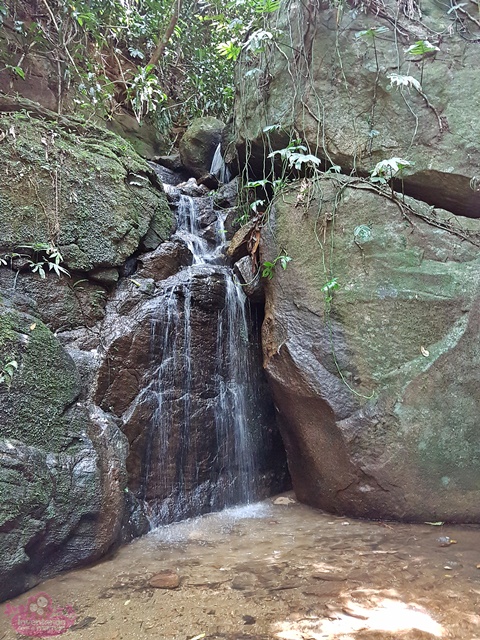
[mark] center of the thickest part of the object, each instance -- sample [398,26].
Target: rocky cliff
[100,328]
[76,203]
[361,116]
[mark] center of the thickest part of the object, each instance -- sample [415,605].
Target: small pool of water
[278,571]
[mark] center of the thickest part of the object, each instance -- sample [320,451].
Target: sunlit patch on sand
[350,617]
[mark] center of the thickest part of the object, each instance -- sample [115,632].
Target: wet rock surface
[84,257]
[302,574]
[157,343]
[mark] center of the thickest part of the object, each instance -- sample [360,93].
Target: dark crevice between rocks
[455,193]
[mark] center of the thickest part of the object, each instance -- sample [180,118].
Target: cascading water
[200,454]
[218,168]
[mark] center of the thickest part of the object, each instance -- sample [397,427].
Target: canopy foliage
[170,58]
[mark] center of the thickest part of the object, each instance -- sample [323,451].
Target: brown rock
[328,577]
[165,580]
[165,261]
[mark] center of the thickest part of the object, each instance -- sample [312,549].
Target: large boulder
[341,80]
[83,191]
[198,145]
[62,460]
[94,199]
[371,342]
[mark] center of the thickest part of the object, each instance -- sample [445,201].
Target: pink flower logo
[39,618]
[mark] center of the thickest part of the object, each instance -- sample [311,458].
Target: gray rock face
[343,82]
[371,346]
[198,145]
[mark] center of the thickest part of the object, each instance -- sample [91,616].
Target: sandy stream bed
[276,571]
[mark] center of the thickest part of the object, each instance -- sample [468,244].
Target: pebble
[283,500]
[165,580]
[445,541]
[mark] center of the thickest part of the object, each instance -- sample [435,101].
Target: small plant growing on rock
[268,268]
[45,257]
[422,49]
[7,371]
[295,157]
[328,289]
[384,171]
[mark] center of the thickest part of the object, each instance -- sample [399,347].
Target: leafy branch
[268,268]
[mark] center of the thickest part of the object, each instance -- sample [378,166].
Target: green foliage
[7,372]
[144,92]
[295,157]
[16,70]
[268,268]
[45,257]
[372,33]
[266,6]
[385,170]
[230,50]
[103,47]
[421,48]
[328,289]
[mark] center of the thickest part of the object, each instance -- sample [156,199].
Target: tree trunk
[158,53]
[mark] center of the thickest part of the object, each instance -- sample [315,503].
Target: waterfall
[200,455]
[218,168]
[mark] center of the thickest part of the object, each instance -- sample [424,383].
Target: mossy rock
[327,79]
[376,381]
[83,189]
[34,399]
[198,145]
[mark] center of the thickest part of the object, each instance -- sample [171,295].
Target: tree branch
[159,51]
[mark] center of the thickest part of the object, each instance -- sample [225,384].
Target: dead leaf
[32,326]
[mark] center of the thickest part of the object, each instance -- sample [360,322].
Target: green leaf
[17,70]
[271,127]
[230,50]
[267,6]
[370,34]
[257,183]
[421,48]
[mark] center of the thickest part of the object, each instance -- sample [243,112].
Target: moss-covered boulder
[78,187]
[198,145]
[371,341]
[82,191]
[62,460]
